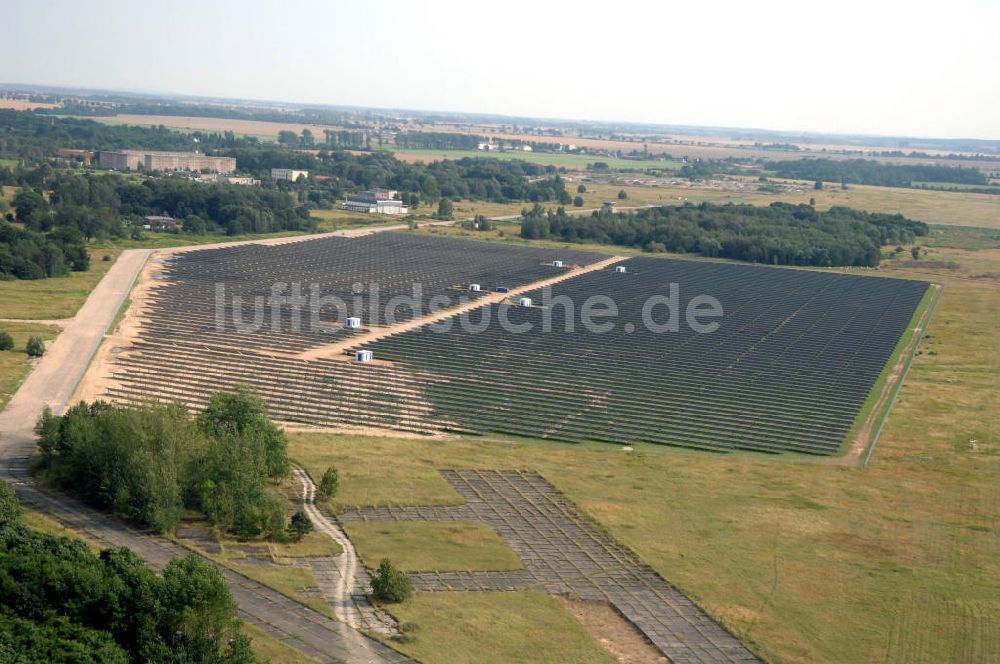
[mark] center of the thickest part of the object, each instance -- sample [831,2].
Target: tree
[389,584]
[445,208]
[622,195]
[6,341]
[818,185]
[329,483]
[578,201]
[36,346]
[199,611]
[812,202]
[243,413]
[194,225]
[300,525]
[581,189]
[915,252]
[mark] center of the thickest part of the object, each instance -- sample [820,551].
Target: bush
[300,525]
[36,346]
[622,195]
[390,584]
[329,483]
[445,208]
[6,341]
[578,201]
[581,189]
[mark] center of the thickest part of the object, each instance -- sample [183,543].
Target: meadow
[15,364]
[558,159]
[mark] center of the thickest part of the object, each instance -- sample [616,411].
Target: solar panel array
[788,369]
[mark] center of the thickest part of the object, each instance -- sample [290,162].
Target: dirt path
[57,322]
[864,444]
[348,564]
[336,351]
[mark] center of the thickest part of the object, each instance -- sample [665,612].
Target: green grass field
[791,555]
[469,628]
[428,546]
[558,159]
[14,364]
[57,297]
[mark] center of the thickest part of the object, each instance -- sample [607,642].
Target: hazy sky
[886,67]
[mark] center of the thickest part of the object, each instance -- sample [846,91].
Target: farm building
[154,223]
[608,206]
[382,201]
[123,160]
[289,174]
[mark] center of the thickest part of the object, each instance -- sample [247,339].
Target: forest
[25,254]
[149,463]
[869,171]
[497,180]
[35,137]
[779,234]
[60,602]
[108,205]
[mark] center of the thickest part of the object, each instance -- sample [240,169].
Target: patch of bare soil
[97,378]
[617,636]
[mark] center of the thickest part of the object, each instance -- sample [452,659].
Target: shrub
[622,195]
[300,525]
[36,346]
[445,208]
[578,201]
[390,584]
[6,341]
[329,483]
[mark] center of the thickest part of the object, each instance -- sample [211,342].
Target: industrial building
[289,174]
[382,201]
[125,160]
[75,157]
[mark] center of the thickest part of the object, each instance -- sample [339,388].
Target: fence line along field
[789,369]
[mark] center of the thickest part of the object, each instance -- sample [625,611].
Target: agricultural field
[571,161]
[930,206]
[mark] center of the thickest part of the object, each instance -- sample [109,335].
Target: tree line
[869,171]
[106,205]
[150,462]
[483,178]
[25,254]
[61,602]
[779,234]
[35,137]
